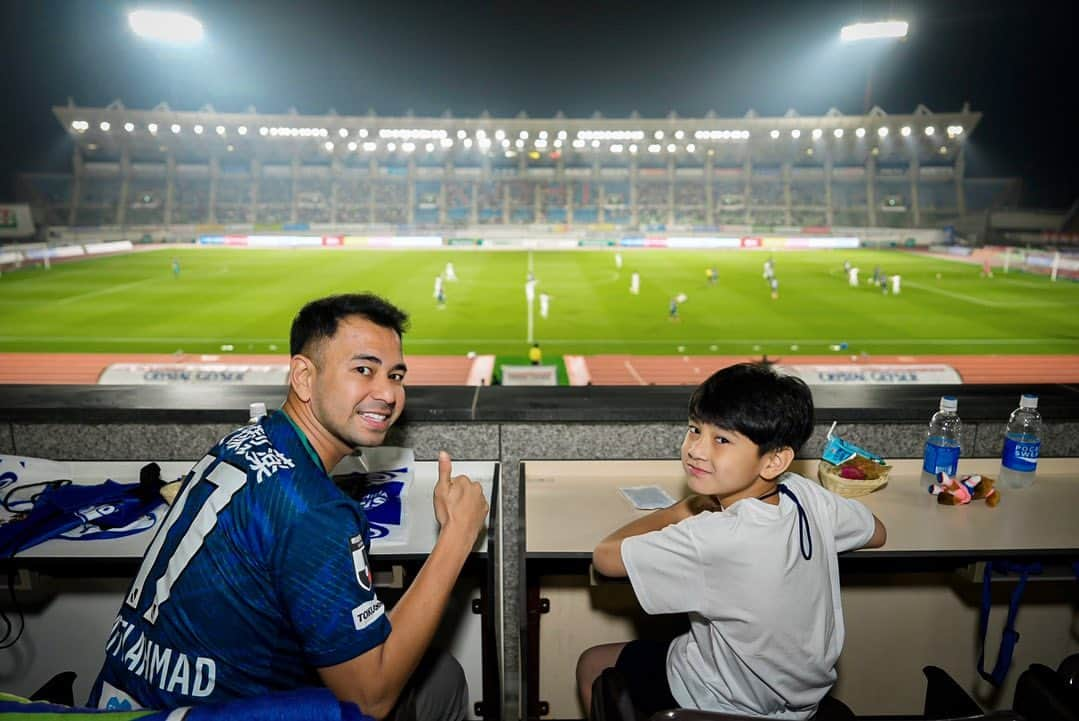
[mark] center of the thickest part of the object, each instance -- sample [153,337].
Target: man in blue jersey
[259,581]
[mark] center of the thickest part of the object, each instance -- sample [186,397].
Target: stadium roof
[205,133]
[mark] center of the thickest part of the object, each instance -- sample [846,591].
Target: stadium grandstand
[182,173]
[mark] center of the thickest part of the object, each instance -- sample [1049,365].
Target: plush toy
[960,491]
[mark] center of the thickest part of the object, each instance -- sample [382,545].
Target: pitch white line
[283,342]
[633,372]
[981,301]
[102,291]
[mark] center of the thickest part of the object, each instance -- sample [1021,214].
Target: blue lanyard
[1009,636]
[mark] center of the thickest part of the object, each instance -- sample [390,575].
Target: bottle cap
[257,410]
[948,403]
[1028,400]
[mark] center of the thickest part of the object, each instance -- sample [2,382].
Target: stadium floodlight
[328,145]
[796,133]
[885,30]
[678,134]
[175,128]
[654,148]
[105,126]
[80,126]
[370,146]
[838,133]
[616,148]
[152,127]
[943,150]
[929,130]
[658,135]
[561,134]
[523,135]
[408,147]
[955,131]
[461,135]
[166,26]
[500,135]
[774,134]
[129,127]
[198,129]
[242,130]
[391,147]
[633,148]
[817,133]
[905,131]
[671,147]
[352,146]
[691,148]
[882,132]
[220,129]
[860,132]
[430,147]
[543,135]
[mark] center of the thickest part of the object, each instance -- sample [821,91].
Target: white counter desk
[106,566]
[569,506]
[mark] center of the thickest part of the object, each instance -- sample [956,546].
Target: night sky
[1013,61]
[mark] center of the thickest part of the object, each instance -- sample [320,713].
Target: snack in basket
[850,470]
[961,491]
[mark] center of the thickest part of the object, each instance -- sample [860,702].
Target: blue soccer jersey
[257,577]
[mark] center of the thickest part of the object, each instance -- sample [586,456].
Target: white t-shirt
[766,625]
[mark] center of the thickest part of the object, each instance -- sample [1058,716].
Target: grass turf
[247,298]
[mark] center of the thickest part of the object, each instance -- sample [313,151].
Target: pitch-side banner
[875,374]
[139,374]
[16,221]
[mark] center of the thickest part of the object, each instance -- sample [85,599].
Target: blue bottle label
[1020,456]
[941,459]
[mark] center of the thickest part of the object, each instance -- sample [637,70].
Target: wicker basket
[850,487]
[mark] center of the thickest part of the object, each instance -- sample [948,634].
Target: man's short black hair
[771,409]
[319,319]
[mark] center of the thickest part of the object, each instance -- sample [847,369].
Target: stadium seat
[1042,694]
[60,689]
[945,700]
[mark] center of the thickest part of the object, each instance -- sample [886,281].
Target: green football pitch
[246,299]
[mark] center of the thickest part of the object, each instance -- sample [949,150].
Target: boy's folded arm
[607,556]
[880,535]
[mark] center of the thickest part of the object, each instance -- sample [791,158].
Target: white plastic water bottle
[1022,444]
[256,411]
[942,442]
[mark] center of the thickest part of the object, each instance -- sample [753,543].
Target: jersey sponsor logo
[359,562]
[367,613]
[113,699]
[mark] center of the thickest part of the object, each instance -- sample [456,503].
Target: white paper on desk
[647,498]
[19,472]
[381,478]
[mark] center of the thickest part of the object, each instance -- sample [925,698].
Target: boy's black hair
[771,409]
[319,319]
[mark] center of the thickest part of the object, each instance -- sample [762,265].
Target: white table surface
[423,529]
[571,505]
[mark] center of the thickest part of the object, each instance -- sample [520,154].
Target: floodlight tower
[166,26]
[883,31]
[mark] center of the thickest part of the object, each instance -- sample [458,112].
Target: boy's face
[724,463]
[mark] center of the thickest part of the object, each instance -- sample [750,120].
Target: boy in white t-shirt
[751,557]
